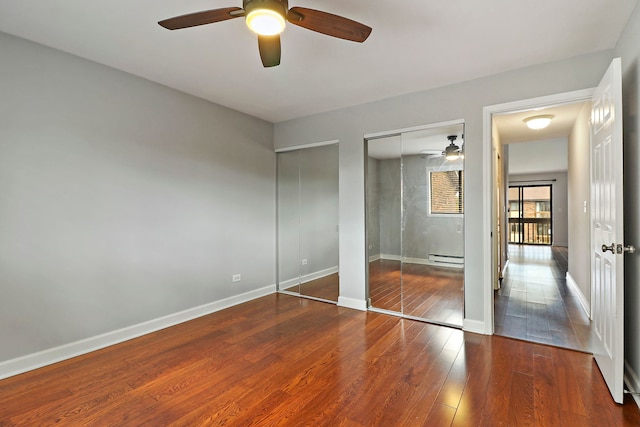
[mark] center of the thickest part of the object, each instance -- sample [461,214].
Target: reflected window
[446,192]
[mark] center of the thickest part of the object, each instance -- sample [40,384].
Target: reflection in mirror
[432,221]
[289,221]
[383,217]
[308,234]
[415,194]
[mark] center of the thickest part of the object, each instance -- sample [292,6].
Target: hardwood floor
[536,304]
[283,360]
[427,292]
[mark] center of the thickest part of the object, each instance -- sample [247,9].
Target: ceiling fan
[267,18]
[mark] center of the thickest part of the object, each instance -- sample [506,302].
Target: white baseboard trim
[476,326]
[308,277]
[356,304]
[37,360]
[390,257]
[374,257]
[583,301]
[504,269]
[632,380]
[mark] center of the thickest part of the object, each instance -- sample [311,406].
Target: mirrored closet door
[308,222]
[415,211]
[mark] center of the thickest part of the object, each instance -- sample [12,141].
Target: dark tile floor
[536,304]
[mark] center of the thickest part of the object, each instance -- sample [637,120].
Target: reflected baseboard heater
[446,260]
[436,260]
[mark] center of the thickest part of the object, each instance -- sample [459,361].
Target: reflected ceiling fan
[451,151]
[267,18]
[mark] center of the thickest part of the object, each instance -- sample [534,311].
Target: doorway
[545,287]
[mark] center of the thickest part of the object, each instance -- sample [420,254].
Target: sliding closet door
[308,222]
[319,222]
[432,226]
[415,224]
[384,206]
[289,221]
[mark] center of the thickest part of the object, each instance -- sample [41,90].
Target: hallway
[536,304]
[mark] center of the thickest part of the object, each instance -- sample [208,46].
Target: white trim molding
[632,380]
[50,356]
[392,132]
[356,304]
[489,269]
[476,326]
[311,145]
[583,300]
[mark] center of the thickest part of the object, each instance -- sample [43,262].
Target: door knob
[618,249]
[611,248]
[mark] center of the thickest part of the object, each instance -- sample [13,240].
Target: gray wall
[121,200]
[461,101]
[548,155]
[629,50]
[560,224]
[578,177]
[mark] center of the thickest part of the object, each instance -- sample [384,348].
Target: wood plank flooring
[536,304]
[283,360]
[427,292]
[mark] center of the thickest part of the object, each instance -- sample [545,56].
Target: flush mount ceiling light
[538,122]
[452,152]
[265,17]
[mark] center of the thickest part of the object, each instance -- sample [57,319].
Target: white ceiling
[511,126]
[415,45]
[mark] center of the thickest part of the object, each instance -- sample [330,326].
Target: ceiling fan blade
[329,24]
[269,50]
[201,18]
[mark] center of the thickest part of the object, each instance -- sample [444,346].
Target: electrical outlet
[235,278]
[304,261]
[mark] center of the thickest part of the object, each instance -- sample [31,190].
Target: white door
[607,262]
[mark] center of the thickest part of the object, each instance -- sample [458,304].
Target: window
[514,209]
[446,192]
[543,209]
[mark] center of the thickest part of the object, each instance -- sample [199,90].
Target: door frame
[489,182]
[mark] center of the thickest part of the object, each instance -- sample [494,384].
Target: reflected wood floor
[536,304]
[327,288]
[432,293]
[283,360]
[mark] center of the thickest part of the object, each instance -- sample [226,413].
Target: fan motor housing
[279,6]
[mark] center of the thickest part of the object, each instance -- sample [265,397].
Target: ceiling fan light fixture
[452,151]
[538,122]
[265,22]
